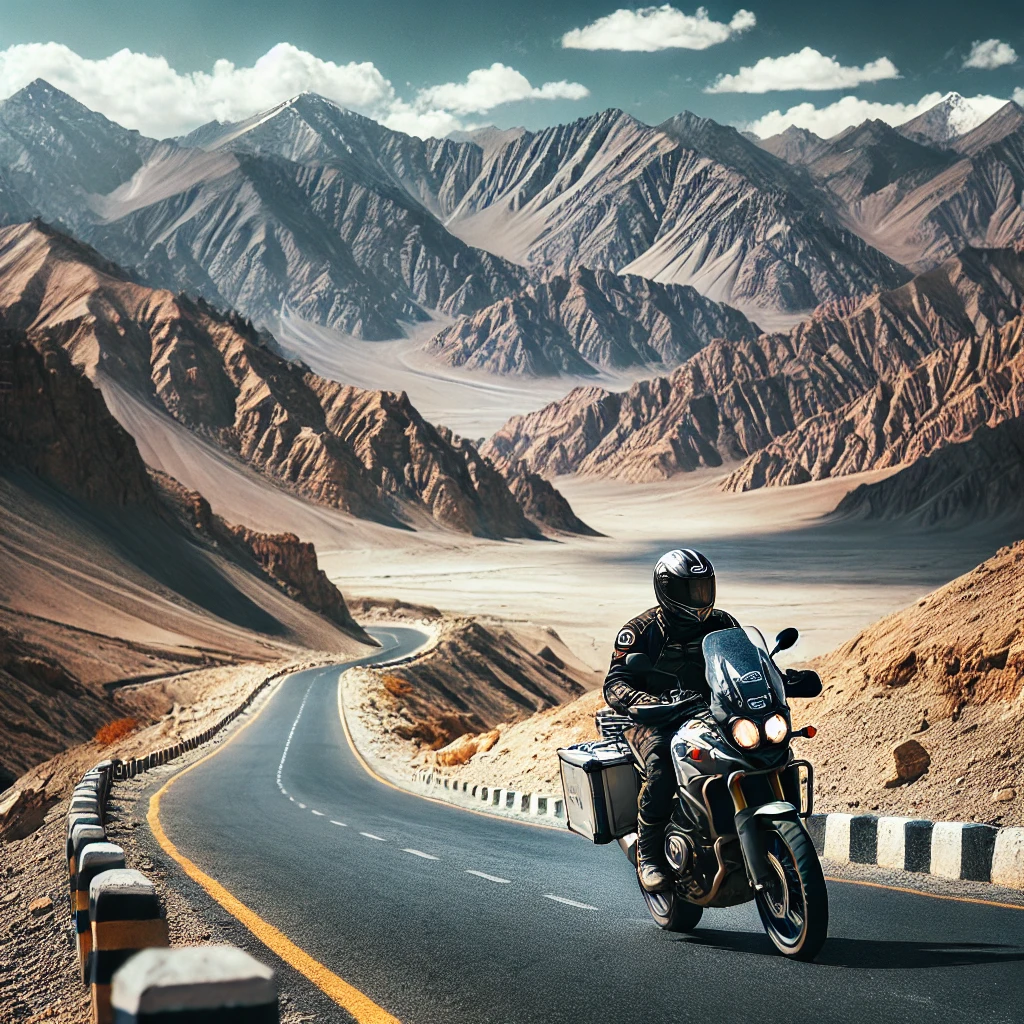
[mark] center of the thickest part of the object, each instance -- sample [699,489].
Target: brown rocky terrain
[969,482]
[591,318]
[369,453]
[859,385]
[945,672]
[103,577]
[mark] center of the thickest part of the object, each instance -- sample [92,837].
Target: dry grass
[116,730]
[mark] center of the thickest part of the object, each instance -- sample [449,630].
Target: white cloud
[992,53]
[807,69]
[1018,95]
[487,88]
[144,92]
[647,29]
[851,110]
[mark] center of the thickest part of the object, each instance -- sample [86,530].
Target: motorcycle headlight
[775,729]
[745,733]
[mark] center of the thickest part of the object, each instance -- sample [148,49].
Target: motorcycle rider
[670,634]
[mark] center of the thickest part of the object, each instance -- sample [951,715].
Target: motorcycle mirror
[639,663]
[786,639]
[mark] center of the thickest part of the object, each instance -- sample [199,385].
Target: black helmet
[684,583]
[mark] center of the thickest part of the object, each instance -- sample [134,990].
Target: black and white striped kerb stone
[92,860]
[194,985]
[126,916]
[80,837]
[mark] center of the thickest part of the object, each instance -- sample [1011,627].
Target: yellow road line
[922,892]
[361,1006]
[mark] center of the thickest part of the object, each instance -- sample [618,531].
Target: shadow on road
[870,954]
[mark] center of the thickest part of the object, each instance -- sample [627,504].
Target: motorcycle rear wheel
[794,905]
[670,911]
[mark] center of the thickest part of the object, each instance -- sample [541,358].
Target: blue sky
[428,68]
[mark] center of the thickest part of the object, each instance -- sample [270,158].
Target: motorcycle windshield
[740,672]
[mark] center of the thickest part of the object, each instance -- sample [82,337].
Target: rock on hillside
[978,479]
[947,672]
[920,366]
[369,453]
[585,320]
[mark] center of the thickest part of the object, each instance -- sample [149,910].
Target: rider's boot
[650,854]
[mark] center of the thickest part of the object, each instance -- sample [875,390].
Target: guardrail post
[1008,858]
[80,835]
[197,984]
[92,860]
[905,843]
[126,917]
[963,850]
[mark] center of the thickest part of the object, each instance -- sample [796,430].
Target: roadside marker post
[80,836]
[194,985]
[92,860]
[125,916]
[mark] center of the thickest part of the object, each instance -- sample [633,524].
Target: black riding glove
[802,683]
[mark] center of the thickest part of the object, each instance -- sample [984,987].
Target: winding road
[438,914]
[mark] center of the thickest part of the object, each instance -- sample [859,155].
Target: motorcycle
[736,832]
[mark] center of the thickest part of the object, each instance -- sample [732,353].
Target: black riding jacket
[672,647]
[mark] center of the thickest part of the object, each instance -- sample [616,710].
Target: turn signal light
[808,732]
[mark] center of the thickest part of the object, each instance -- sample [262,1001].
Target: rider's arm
[623,690]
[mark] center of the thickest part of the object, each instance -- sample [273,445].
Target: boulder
[912,761]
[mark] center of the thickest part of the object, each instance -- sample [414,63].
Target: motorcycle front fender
[750,824]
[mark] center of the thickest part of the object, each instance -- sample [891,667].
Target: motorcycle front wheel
[794,904]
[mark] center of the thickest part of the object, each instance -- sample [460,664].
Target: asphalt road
[444,915]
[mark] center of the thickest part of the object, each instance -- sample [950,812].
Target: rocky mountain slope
[585,320]
[369,453]
[857,386]
[477,676]
[976,480]
[794,145]
[105,581]
[930,213]
[947,672]
[688,202]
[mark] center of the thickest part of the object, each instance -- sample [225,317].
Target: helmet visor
[689,591]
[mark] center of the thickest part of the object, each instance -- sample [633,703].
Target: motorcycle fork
[747,831]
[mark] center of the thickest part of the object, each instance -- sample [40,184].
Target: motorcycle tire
[794,910]
[670,911]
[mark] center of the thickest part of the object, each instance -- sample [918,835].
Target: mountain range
[857,386]
[369,453]
[604,244]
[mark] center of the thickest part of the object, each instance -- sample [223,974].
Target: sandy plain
[780,561]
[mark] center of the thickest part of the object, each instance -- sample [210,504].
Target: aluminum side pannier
[600,785]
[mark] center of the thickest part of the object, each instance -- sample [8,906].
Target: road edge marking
[349,998]
[921,892]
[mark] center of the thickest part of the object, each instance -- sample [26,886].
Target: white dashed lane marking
[490,878]
[340,824]
[420,853]
[370,835]
[570,903]
[303,806]
[319,814]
